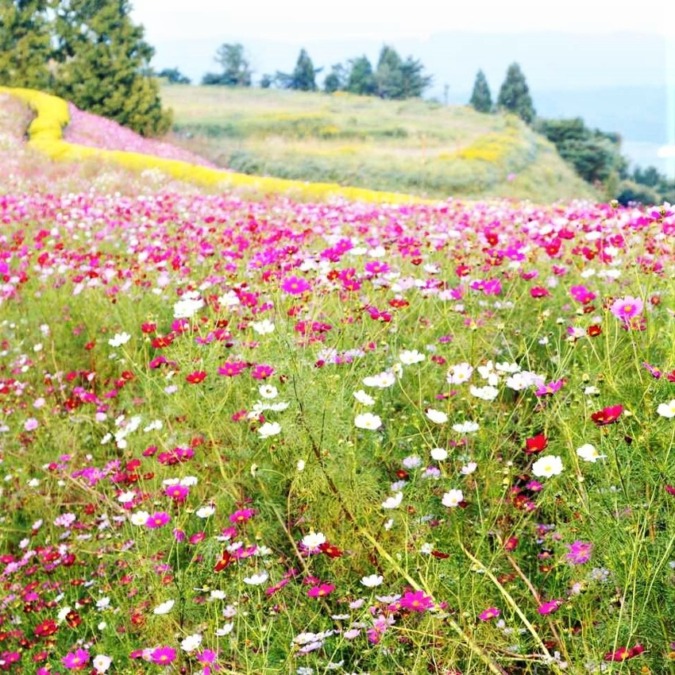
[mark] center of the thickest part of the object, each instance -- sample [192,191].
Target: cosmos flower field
[270,436]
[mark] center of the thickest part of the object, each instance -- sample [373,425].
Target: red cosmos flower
[535,444]
[594,330]
[330,550]
[196,377]
[224,562]
[607,415]
[46,628]
[623,653]
[670,489]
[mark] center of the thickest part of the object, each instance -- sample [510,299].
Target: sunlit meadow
[244,436]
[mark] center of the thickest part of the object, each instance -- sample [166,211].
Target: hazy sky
[296,20]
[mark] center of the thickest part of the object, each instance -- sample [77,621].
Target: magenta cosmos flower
[163,655]
[416,601]
[549,607]
[76,660]
[489,613]
[320,591]
[579,552]
[627,308]
[295,285]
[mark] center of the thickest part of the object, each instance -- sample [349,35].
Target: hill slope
[409,146]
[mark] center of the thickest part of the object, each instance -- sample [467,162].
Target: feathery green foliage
[25,45]
[104,64]
[481,99]
[514,95]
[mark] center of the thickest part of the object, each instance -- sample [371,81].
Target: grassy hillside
[410,146]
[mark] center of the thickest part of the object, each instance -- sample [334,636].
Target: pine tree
[514,95]
[481,99]
[25,44]
[303,76]
[336,79]
[361,79]
[104,64]
[388,74]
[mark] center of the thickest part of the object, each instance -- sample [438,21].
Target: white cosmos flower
[393,502]
[256,579]
[101,663]
[205,511]
[381,380]
[313,540]
[410,357]
[459,373]
[263,327]
[467,427]
[469,468]
[268,391]
[139,517]
[452,498]
[437,416]
[119,339]
[667,409]
[269,429]
[230,299]
[191,642]
[548,466]
[225,630]
[439,454]
[371,581]
[187,306]
[589,453]
[487,393]
[164,608]
[367,421]
[363,398]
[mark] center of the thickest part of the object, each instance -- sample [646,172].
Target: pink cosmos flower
[627,308]
[549,607]
[579,552]
[163,655]
[158,519]
[416,601]
[76,660]
[321,590]
[295,285]
[242,515]
[262,371]
[489,613]
[582,294]
[178,493]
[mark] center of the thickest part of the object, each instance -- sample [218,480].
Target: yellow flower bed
[45,133]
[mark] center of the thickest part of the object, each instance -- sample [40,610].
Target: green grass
[412,146]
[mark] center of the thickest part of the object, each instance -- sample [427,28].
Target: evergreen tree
[361,79]
[388,75]
[398,79]
[515,96]
[236,68]
[104,64]
[303,76]
[336,80]
[481,99]
[25,44]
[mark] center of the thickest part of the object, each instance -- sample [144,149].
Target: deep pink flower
[262,371]
[582,294]
[579,552]
[607,415]
[232,368]
[178,493]
[242,515]
[321,590]
[489,613]
[158,519]
[295,285]
[163,655]
[76,660]
[416,601]
[549,607]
